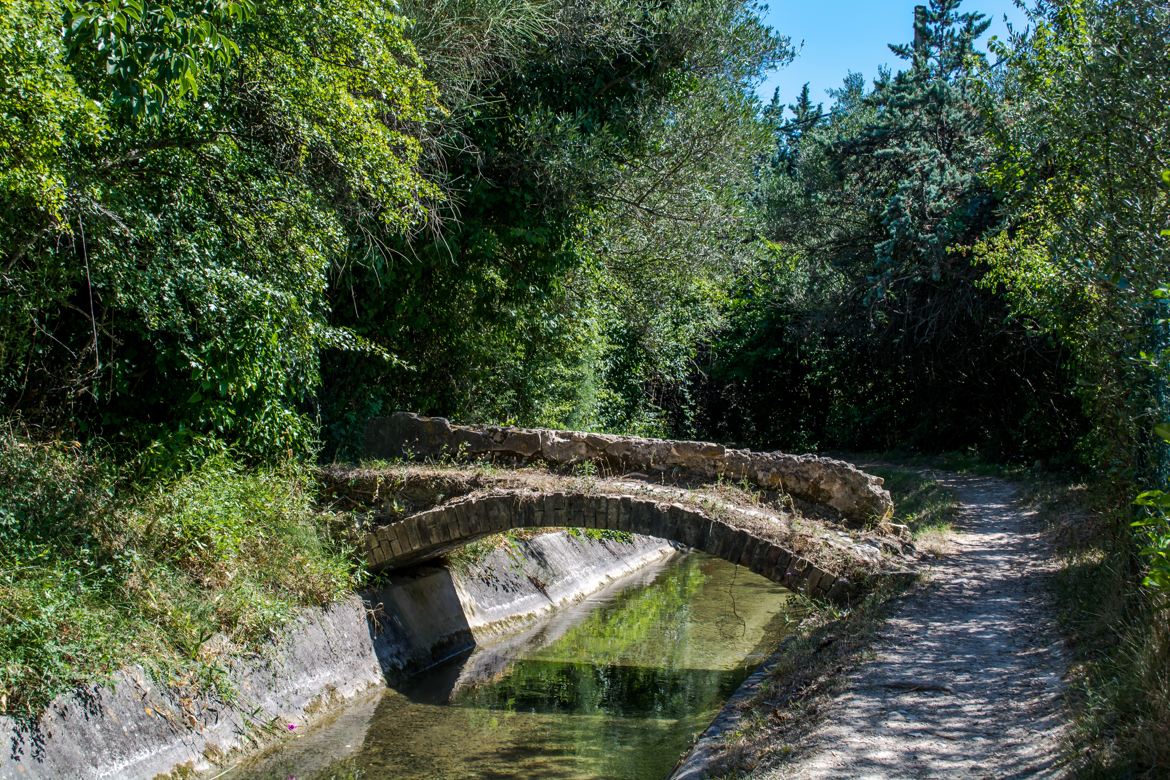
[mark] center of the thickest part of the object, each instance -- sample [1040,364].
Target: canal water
[618,686]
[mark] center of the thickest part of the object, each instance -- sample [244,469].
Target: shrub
[95,575]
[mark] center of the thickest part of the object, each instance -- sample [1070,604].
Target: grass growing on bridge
[95,575]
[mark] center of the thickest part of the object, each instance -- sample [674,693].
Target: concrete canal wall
[137,728]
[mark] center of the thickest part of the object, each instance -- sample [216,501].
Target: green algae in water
[619,689]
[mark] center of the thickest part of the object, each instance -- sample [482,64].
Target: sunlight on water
[615,687]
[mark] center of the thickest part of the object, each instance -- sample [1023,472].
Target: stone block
[448,528]
[667,525]
[593,512]
[695,455]
[747,555]
[410,526]
[718,540]
[659,454]
[468,441]
[554,508]
[425,524]
[499,516]
[561,448]
[520,442]
[693,526]
[597,444]
[642,518]
[737,540]
[523,513]
[620,451]
[796,569]
[463,518]
[764,549]
[779,568]
[613,518]
[576,506]
[534,509]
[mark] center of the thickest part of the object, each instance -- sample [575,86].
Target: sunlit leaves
[188,173]
[151,52]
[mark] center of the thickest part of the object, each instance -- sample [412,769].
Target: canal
[617,686]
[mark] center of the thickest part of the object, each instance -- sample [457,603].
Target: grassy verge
[98,571]
[1119,636]
[921,503]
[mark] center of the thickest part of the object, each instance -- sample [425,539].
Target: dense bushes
[868,325]
[96,573]
[194,172]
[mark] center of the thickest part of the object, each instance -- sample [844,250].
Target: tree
[596,184]
[876,307]
[168,257]
[1083,132]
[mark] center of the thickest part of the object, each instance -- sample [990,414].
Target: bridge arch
[434,532]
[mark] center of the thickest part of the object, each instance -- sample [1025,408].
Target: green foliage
[1154,527]
[1082,129]
[864,325]
[924,505]
[200,169]
[589,148]
[152,53]
[95,574]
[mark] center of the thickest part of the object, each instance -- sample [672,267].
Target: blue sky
[844,35]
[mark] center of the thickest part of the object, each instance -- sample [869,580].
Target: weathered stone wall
[857,496]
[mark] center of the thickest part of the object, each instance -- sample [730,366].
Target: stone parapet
[857,496]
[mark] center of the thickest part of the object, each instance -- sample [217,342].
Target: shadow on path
[965,678]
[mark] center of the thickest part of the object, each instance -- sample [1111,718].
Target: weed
[1119,634]
[924,505]
[95,575]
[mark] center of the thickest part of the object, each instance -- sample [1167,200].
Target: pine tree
[925,151]
[805,116]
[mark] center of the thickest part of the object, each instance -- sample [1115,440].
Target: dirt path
[965,678]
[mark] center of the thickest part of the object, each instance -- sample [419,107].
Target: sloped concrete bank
[136,728]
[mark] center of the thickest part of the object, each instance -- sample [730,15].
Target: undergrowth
[1119,634]
[921,503]
[99,569]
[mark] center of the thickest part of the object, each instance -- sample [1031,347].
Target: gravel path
[965,678]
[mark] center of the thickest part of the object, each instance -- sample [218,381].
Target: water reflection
[617,687]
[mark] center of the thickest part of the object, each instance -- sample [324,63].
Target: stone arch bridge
[815,525]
